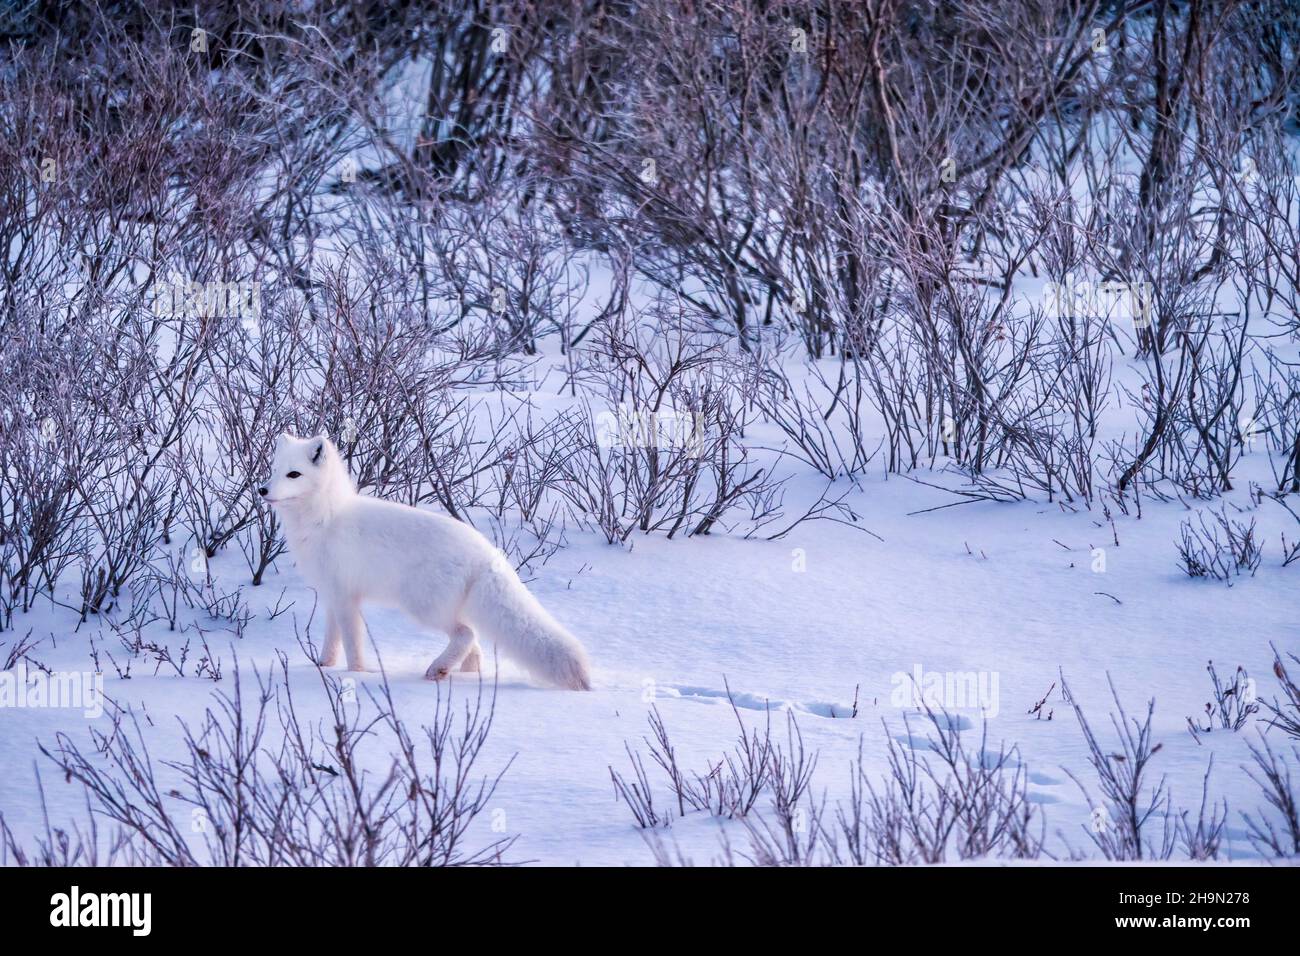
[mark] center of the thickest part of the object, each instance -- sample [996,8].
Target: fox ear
[320,450]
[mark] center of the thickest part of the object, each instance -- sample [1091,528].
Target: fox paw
[437,672]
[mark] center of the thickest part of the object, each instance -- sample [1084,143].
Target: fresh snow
[1007,591]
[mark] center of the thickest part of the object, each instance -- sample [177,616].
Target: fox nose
[262,491]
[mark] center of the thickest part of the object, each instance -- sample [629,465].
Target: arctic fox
[355,549]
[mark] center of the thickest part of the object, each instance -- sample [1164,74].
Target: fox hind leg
[473,662]
[459,648]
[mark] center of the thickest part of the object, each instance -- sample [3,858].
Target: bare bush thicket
[943,797]
[275,223]
[261,784]
[954,803]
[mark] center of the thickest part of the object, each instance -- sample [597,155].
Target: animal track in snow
[751,701]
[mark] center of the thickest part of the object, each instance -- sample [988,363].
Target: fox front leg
[353,629]
[329,656]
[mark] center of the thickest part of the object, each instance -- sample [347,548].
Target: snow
[804,624]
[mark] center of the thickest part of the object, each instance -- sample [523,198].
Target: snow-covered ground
[1014,594]
[396,237]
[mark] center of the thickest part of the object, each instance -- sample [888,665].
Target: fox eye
[294,474]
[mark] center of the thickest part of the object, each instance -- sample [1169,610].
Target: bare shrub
[1232,705]
[826,423]
[660,447]
[1279,837]
[1290,549]
[969,802]
[638,795]
[1221,549]
[1203,839]
[729,787]
[1121,825]
[1285,714]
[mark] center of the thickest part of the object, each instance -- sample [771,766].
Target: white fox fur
[357,550]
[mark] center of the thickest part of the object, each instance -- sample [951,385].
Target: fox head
[303,469]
